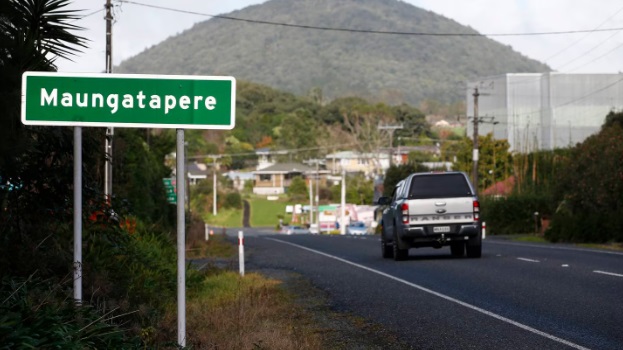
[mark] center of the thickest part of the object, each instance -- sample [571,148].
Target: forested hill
[379,67]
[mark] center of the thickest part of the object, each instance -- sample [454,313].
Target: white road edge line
[443,296]
[608,273]
[528,260]
[586,250]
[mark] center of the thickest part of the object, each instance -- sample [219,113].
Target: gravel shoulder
[338,330]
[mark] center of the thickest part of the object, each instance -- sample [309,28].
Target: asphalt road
[517,296]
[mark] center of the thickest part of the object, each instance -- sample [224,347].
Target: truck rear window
[439,186]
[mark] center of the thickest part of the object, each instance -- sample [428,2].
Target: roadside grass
[217,246]
[528,238]
[265,213]
[250,312]
[227,311]
[225,218]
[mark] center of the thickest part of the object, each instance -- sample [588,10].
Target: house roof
[268,151]
[503,188]
[355,155]
[287,168]
[197,169]
[239,174]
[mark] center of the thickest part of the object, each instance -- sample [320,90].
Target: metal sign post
[181,243]
[78,215]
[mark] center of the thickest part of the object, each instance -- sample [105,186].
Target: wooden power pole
[475,149]
[110,132]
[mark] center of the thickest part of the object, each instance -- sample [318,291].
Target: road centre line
[443,296]
[528,260]
[608,273]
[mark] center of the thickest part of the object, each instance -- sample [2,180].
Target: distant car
[294,230]
[313,229]
[356,228]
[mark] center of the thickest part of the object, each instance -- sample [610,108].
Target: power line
[589,51]
[368,31]
[87,15]
[276,151]
[597,58]
[583,37]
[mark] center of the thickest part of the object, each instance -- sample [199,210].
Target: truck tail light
[476,210]
[405,213]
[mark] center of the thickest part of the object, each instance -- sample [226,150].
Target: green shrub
[589,186]
[39,314]
[513,214]
[233,200]
[586,227]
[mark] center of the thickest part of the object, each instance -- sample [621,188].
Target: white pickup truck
[431,210]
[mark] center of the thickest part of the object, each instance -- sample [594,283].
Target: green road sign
[128,100]
[170,187]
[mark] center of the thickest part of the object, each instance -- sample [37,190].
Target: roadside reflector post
[484,230]
[241,251]
[206,230]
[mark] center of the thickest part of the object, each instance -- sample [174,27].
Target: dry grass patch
[250,312]
[216,246]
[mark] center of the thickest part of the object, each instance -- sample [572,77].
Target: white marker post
[241,251]
[207,231]
[484,230]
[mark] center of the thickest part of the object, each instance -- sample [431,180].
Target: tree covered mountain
[390,68]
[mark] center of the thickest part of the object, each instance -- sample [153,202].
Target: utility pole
[110,132]
[317,198]
[214,202]
[343,204]
[475,150]
[311,201]
[391,129]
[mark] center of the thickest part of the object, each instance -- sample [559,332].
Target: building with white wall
[543,110]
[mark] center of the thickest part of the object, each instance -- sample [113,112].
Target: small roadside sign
[171,189]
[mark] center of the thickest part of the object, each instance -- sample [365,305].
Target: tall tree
[33,33]
[34,161]
[494,164]
[299,131]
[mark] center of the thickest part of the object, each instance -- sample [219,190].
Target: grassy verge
[265,213]
[250,312]
[227,311]
[216,247]
[528,238]
[225,218]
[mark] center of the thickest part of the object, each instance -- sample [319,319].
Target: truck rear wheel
[399,254]
[386,249]
[457,249]
[474,247]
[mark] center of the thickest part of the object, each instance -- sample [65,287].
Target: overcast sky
[138,27]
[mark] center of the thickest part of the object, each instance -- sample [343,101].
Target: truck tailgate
[441,211]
